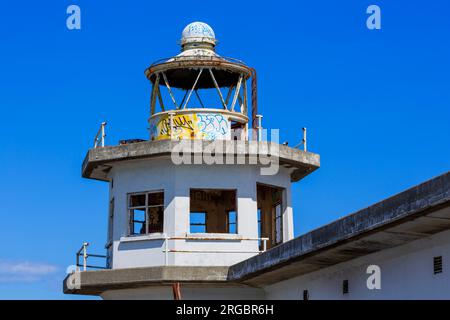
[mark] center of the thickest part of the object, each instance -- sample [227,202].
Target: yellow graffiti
[184,127]
[207,126]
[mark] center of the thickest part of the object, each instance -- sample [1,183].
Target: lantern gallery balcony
[99,161]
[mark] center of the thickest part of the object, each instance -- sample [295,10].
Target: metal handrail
[212,58]
[303,142]
[83,252]
[100,136]
[167,250]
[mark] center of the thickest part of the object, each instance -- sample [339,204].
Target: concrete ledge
[214,236]
[99,161]
[147,237]
[95,282]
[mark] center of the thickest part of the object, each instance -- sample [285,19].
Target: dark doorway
[270,214]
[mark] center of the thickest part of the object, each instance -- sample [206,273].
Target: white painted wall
[176,181]
[406,273]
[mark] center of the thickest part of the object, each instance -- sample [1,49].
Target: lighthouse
[209,187]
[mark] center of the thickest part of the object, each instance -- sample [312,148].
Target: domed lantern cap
[199,33]
[181,71]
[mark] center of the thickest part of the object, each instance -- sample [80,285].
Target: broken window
[146,212]
[213,211]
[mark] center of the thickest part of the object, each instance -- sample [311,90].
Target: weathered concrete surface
[99,161]
[95,282]
[413,214]
[416,213]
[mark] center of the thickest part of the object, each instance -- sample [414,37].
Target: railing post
[85,255]
[264,244]
[304,139]
[259,117]
[166,251]
[78,262]
[103,133]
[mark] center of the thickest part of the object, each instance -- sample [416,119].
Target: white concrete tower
[206,190]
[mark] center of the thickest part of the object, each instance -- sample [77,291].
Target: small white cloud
[24,271]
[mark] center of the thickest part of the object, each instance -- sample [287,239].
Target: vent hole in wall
[305,295]
[437,264]
[345,286]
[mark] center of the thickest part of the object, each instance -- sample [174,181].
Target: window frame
[198,224]
[145,207]
[235,223]
[260,227]
[277,219]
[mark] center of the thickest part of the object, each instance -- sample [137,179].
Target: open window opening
[238,130]
[270,214]
[213,211]
[146,212]
[110,221]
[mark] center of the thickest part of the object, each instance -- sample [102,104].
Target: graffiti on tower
[206,126]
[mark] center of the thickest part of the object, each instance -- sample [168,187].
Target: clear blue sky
[376,104]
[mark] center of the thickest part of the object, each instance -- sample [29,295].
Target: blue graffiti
[212,125]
